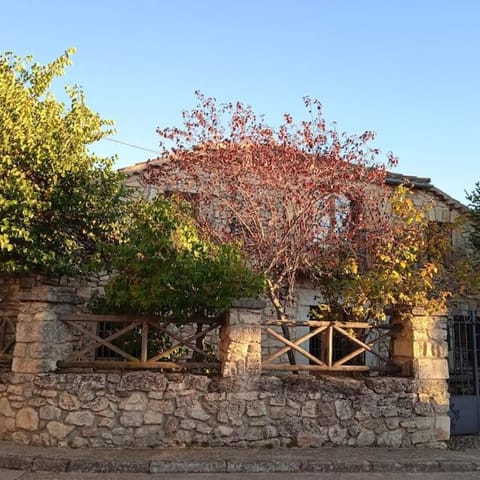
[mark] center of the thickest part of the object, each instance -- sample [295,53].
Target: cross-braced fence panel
[7,339]
[141,343]
[328,346]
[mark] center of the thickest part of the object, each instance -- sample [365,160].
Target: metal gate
[463,361]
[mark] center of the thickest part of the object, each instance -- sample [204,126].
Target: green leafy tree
[414,264]
[58,202]
[165,267]
[474,199]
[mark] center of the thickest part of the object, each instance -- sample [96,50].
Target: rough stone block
[343,409]
[337,435]
[422,436]
[256,408]
[29,331]
[27,419]
[366,438]
[223,431]
[28,365]
[198,413]
[309,409]
[68,402]
[442,427]
[131,419]
[390,438]
[5,408]
[153,418]
[82,418]
[137,401]
[430,368]
[49,412]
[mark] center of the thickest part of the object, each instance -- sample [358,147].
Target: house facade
[462,334]
[46,403]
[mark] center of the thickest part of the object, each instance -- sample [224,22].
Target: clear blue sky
[407,69]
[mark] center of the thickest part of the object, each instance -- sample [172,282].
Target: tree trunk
[282,316]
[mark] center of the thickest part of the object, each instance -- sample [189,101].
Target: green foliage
[404,270]
[165,267]
[474,199]
[57,201]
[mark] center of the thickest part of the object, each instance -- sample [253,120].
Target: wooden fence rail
[122,350]
[356,338]
[7,339]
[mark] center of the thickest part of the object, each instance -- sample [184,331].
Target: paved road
[18,475]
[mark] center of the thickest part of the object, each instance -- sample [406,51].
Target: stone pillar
[241,339]
[421,350]
[41,338]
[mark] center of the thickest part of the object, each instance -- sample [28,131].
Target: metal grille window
[105,330]
[463,357]
[463,361]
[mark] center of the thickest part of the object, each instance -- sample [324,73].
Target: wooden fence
[110,342]
[7,340]
[340,346]
[127,342]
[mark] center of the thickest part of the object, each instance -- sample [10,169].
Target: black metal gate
[463,360]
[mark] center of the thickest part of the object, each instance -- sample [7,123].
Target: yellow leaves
[395,276]
[385,258]
[5,243]
[404,270]
[429,270]
[323,310]
[405,209]
[351,267]
[184,237]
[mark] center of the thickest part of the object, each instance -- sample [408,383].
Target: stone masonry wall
[41,406]
[35,304]
[153,409]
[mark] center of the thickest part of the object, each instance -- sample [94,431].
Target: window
[335,211]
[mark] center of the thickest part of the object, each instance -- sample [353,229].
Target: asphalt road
[18,475]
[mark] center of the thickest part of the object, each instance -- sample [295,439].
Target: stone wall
[153,409]
[41,406]
[41,338]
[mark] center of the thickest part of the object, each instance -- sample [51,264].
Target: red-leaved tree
[295,197]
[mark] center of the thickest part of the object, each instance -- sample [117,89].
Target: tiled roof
[425,183]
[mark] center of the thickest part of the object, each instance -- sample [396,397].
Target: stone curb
[84,465]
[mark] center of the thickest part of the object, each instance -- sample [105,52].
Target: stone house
[443,210]
[245,405]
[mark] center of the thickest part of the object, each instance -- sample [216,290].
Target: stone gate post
[41,338]
[241,339]
[421,350]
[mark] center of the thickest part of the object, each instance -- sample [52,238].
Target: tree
[408,268]
[295,197]
[165,267]
[474,199]
[57,200]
